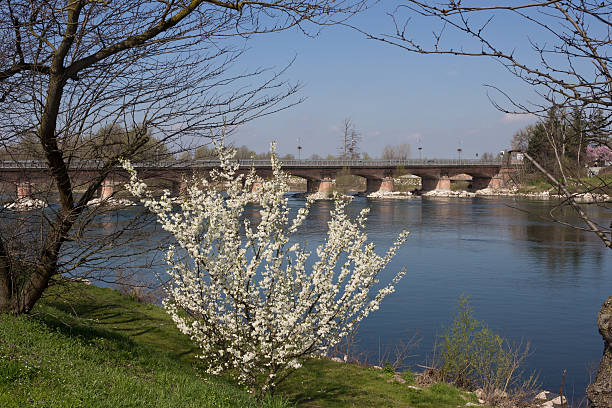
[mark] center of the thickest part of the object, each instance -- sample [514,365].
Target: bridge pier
[179,188]
[323,186]
[374,185]
[257,186]
[107,188]
[24,189]
[497,182]
[429,184]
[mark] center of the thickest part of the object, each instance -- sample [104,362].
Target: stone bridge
[436,174]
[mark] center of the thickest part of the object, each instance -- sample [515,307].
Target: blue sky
[392,96]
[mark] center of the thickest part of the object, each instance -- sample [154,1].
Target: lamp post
[459,151]
[299,148]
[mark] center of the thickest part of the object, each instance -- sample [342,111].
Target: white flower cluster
[242,293]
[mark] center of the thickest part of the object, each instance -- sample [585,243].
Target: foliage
[249,301]
[472,356]
[561,136]
[599,154]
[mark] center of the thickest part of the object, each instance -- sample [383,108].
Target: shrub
[473,356]
[244,294]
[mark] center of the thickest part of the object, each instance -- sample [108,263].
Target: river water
[527,278]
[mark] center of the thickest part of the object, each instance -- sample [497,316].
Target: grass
[85,346]
[537,183]
[325,383]
[117,353]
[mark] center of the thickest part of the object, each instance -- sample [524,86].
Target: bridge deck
[207,164]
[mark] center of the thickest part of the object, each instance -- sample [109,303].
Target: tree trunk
[6,281]
[600,391]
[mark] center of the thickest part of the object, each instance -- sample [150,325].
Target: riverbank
[583,198]
[97,348]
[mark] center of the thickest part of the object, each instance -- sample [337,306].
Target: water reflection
[561,248]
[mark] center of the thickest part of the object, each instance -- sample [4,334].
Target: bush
[247,295]
[473,356]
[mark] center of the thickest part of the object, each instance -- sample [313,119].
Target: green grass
[324,383]
[537,183]
[92,347]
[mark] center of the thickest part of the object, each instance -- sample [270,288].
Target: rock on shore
[582,198]
[600,392]
[111,202]
[389,194]
[26,204]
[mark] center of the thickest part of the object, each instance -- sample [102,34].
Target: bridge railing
[93,164]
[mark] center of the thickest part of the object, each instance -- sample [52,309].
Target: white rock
[111,202]
[559,400]
[448,193]
[414,387]
[82,280]
[586,198]
[326,196]
[543,396]
[26,204]
[389,194]
[398,379]
[547,404]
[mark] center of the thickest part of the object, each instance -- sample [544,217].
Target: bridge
[435,174]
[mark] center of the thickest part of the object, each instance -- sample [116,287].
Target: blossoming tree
[599,153]
[244,293]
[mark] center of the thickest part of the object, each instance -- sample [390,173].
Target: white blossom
[245,295]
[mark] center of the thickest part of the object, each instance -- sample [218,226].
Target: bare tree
[157,69]
[399,152]
[349,149]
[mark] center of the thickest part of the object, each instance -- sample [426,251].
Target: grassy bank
[537,184]
[92,347]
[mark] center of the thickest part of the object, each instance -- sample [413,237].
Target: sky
[439,103]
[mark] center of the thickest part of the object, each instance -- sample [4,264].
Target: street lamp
[299,149]
[459,151]
[420,156]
